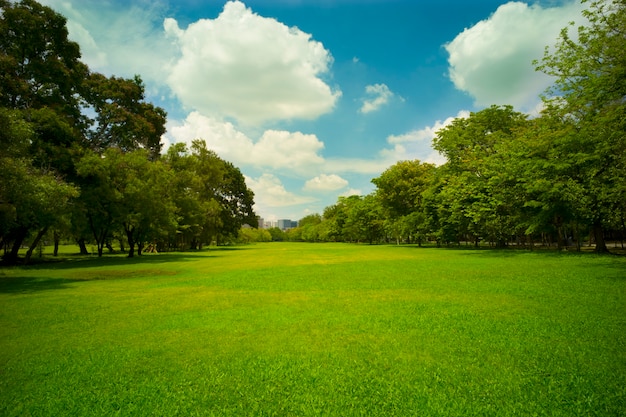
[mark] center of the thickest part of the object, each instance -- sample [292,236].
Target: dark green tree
[400,190]
[123,118]
[471,190]
[590,93]
[39,66]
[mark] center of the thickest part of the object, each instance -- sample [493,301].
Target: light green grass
[305,329]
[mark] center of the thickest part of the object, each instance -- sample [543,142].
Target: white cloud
[325,182]
[427,134]
[492,61]
[269,192]
[351,191]
[250,68]
[276,149]
[417,144]
[121,41]
[380,95]
[295,151]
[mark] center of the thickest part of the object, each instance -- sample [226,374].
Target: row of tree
[559,177]
[80,153]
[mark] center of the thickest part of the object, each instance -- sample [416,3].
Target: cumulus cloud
[293,150]
[269,192]
[275,149]
[250,68]
[417,144]
[492,61]
[350,192]
[325,182]
[379,95]
[121,41]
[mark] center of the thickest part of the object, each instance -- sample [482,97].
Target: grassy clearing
[327,329]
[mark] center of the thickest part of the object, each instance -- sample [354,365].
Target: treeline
[559,178]
[80,154]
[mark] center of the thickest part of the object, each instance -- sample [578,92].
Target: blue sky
[313,99]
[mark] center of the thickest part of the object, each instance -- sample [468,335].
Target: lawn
[291,329]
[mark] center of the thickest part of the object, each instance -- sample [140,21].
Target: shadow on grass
[511,251]
[121,259]
[26,285]
[611,261]
[68,261]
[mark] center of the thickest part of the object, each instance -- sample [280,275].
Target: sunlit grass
[303,329]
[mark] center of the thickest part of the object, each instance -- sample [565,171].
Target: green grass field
[288,329]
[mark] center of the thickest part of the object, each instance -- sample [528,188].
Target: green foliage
[590,92]
[300,329]
[211,194]
[39,66]
[123,119]
[400,190]
[249,235]
[83,149]
[277,234]
[554,178]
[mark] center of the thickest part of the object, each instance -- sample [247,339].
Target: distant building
[261,222]
[286,224]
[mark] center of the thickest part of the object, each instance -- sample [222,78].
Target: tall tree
[472,192]
[101,200]
[123,118]
[212,197]
[590,91]
[39,65]
[236,200]
[32,197]
[147,212]
[400,190]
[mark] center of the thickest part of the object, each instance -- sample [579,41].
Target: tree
[335,218]
[236,201]
[211,194]
[277,234]
[309,228]
[471,191]
[101,200]
[39,66]
[365,220]
[400,190]
[147,212]
[32,198]
[590,92]
[123,119]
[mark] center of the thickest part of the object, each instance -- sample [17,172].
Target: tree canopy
[81,153]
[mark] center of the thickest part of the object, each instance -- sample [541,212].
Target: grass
[316,329]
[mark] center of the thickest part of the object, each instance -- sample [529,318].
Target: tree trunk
[33,245]
[131,246]
[131,242]
[623,231]
[82,246]
[598,234]
[56,238]
[11,257]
